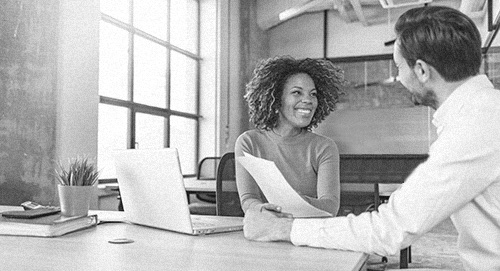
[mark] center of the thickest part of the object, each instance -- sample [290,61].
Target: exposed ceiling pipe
[295,11]
[401,3]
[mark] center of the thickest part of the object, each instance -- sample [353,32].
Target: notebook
[153,194]
[45,226]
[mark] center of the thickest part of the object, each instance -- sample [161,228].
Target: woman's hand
[270,207]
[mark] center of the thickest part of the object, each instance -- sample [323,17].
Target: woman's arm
[328,183]
[248,189]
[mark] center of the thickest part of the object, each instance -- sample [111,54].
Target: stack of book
[45,226]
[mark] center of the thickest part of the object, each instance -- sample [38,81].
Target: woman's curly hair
[264,91]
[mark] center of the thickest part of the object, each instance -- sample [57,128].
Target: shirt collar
[452,105]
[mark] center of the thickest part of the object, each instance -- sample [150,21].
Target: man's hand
[260,224]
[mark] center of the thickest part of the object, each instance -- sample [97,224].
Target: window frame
[133,107]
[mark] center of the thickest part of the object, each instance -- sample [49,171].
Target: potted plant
[76,185]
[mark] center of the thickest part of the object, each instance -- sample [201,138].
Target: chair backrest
[228,200]
[207,168]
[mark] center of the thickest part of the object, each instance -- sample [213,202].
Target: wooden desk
[192,185]
[155,249]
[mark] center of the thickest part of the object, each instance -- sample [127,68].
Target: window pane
[113,61]
[183,137]
[149,73]
[118,9]
[183,82]
[371,85]
[112,135]
[493,65]
[184,25]
[151,17]
[149,131]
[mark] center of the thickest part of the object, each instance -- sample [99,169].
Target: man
[438,54]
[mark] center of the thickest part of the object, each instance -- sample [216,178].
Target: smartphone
[34,213]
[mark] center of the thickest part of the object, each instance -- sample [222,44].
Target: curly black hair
[264,91]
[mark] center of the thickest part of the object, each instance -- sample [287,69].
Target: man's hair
[264,91]
[443,37]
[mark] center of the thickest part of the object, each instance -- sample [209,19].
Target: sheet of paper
[276,188]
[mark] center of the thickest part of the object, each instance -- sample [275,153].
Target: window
[149,66]
[372,83]
[491,65]
[376,114]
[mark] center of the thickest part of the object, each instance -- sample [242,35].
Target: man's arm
[264,225]
[457,170]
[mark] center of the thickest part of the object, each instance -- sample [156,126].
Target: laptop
[153,194]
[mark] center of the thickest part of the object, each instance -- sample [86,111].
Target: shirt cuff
[303,231]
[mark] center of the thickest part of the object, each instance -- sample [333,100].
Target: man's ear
[422,70]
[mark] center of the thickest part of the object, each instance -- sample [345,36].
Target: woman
[286,99]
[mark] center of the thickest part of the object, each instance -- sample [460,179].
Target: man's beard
[429,98]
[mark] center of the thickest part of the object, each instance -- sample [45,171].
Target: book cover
[47,226]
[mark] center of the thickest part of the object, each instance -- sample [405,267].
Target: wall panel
[28,70]
[300,37]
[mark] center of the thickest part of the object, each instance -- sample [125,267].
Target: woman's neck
[286,132]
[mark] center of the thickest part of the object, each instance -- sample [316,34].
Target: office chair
[207,170]
[227,198]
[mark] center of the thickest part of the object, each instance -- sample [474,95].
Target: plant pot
[74,200]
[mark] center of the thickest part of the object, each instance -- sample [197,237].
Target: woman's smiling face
[298,102]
